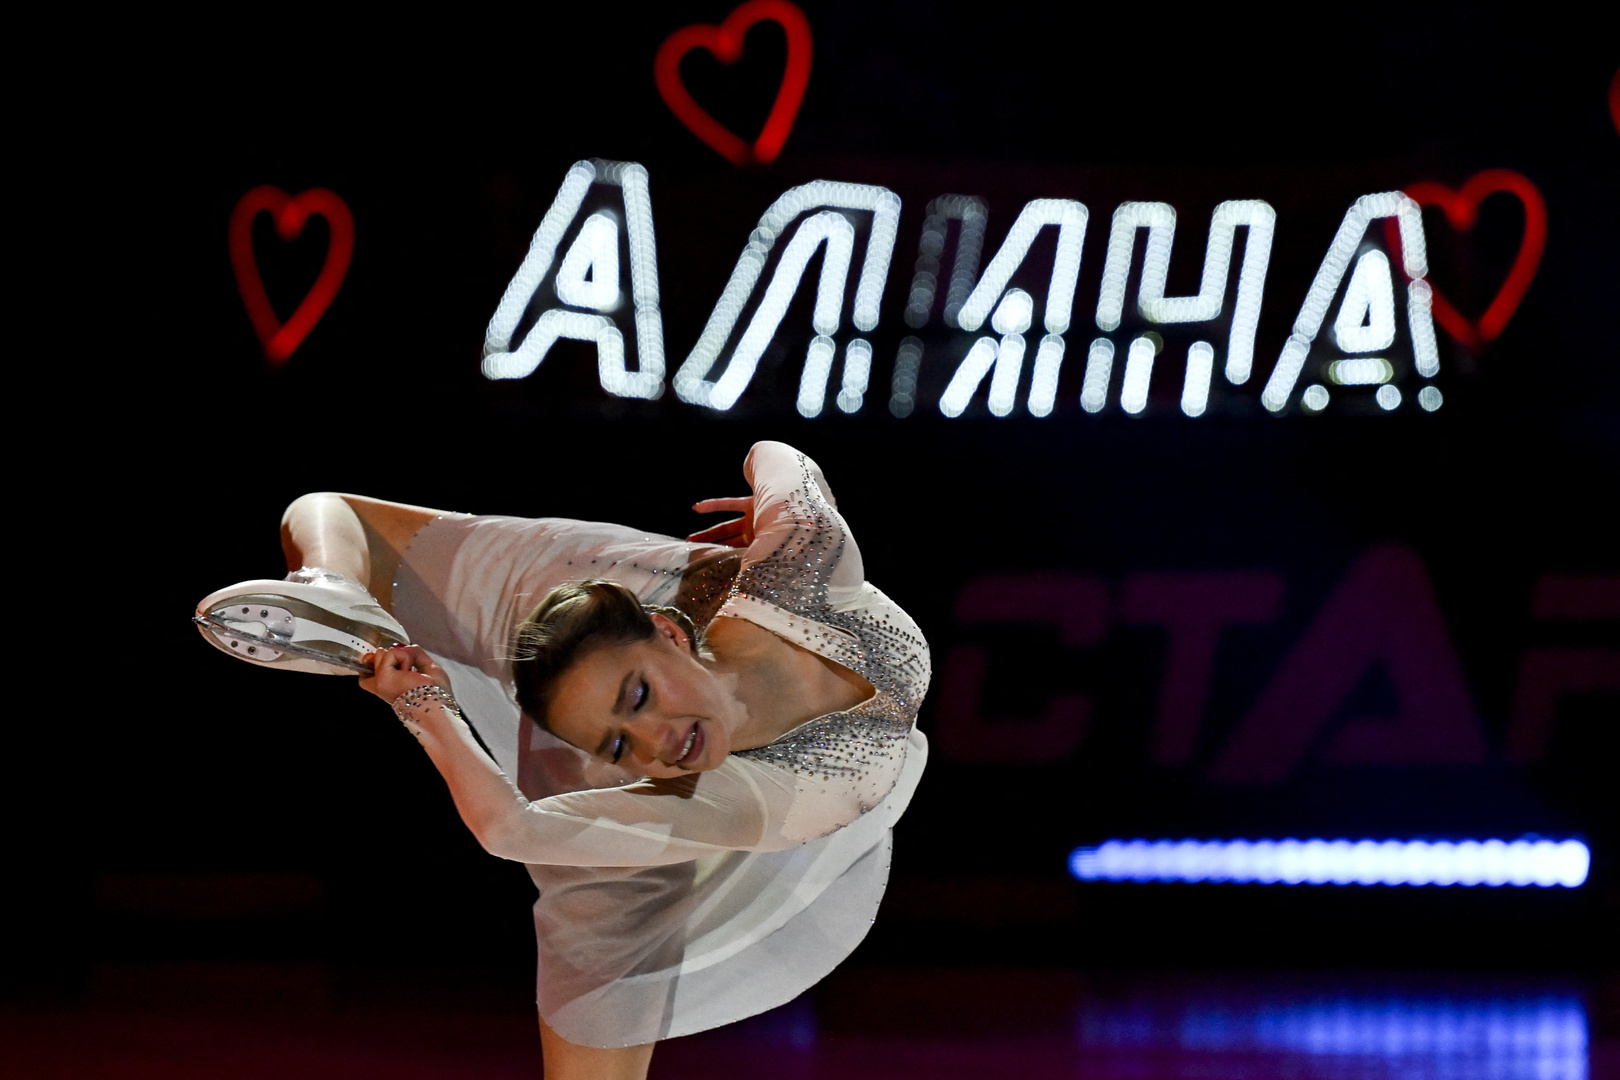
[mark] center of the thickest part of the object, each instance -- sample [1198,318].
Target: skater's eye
[618,749]
[638,696]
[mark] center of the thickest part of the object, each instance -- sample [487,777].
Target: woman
[707,815]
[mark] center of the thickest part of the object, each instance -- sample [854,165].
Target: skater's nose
[653,740]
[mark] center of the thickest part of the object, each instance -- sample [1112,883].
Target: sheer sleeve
[742,805]
[798,531]
[803,579]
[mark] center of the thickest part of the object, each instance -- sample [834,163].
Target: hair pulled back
[573,620]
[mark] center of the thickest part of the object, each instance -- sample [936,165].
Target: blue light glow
[1493,863]
[1344,1030]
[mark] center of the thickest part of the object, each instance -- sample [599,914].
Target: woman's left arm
[792,511]
[736,807]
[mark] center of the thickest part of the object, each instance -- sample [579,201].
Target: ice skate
[314,620]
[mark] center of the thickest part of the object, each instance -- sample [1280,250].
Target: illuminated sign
[725,44]
[291,212]
[1365,332]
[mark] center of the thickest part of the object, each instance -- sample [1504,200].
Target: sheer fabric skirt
[634,955]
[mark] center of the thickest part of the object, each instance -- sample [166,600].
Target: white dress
[659,915]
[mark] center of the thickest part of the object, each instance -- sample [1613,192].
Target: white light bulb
[1044,382]
[903,386]
[589,274]
[1070,218]
[857,374]
[1361,371]
[969,373]
[1133,390]
[1099,368]
[1369,299]
[1195,390]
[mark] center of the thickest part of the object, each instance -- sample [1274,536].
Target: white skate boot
[314,621]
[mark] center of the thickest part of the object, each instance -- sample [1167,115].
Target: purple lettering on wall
[1194,610]
[1547,675]
[1077,606]
[1383,613]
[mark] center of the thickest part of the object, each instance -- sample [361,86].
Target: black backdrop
[172,446]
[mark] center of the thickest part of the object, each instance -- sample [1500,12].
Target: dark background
[179,808]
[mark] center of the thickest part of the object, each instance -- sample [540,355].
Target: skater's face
[651,707]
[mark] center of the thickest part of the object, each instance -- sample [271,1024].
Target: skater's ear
[671,630]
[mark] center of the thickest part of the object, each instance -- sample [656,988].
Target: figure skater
[717,744]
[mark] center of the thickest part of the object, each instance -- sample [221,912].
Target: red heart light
[1614,99]
[290,212]
[725,42]
[1462,209]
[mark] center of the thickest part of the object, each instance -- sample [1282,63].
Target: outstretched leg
[336,605]
[363,539]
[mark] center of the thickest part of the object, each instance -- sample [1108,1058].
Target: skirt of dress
[634,955]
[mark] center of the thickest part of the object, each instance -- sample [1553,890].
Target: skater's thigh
[387,527]
[390,524]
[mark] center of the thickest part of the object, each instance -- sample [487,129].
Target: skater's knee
[313,502]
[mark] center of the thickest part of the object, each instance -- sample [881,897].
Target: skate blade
[266,650]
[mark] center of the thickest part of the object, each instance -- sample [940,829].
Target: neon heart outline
[291,212]
[1614,99]
[725,44]
[1462,210]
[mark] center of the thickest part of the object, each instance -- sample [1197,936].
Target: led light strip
[596,252]
[1043,384]
[542,250]
[1070,217]
[1159,219]
[903,385]
[1133,390]
[834,229]
[1414,257]
[1544,863]
[1195,390]
[1099,369]
[597,248]
[692,384]
[971,213]
[1015,311]
[1369,298]
[1439,1033]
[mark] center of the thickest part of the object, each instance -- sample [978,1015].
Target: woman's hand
[737,533]
[402,668]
